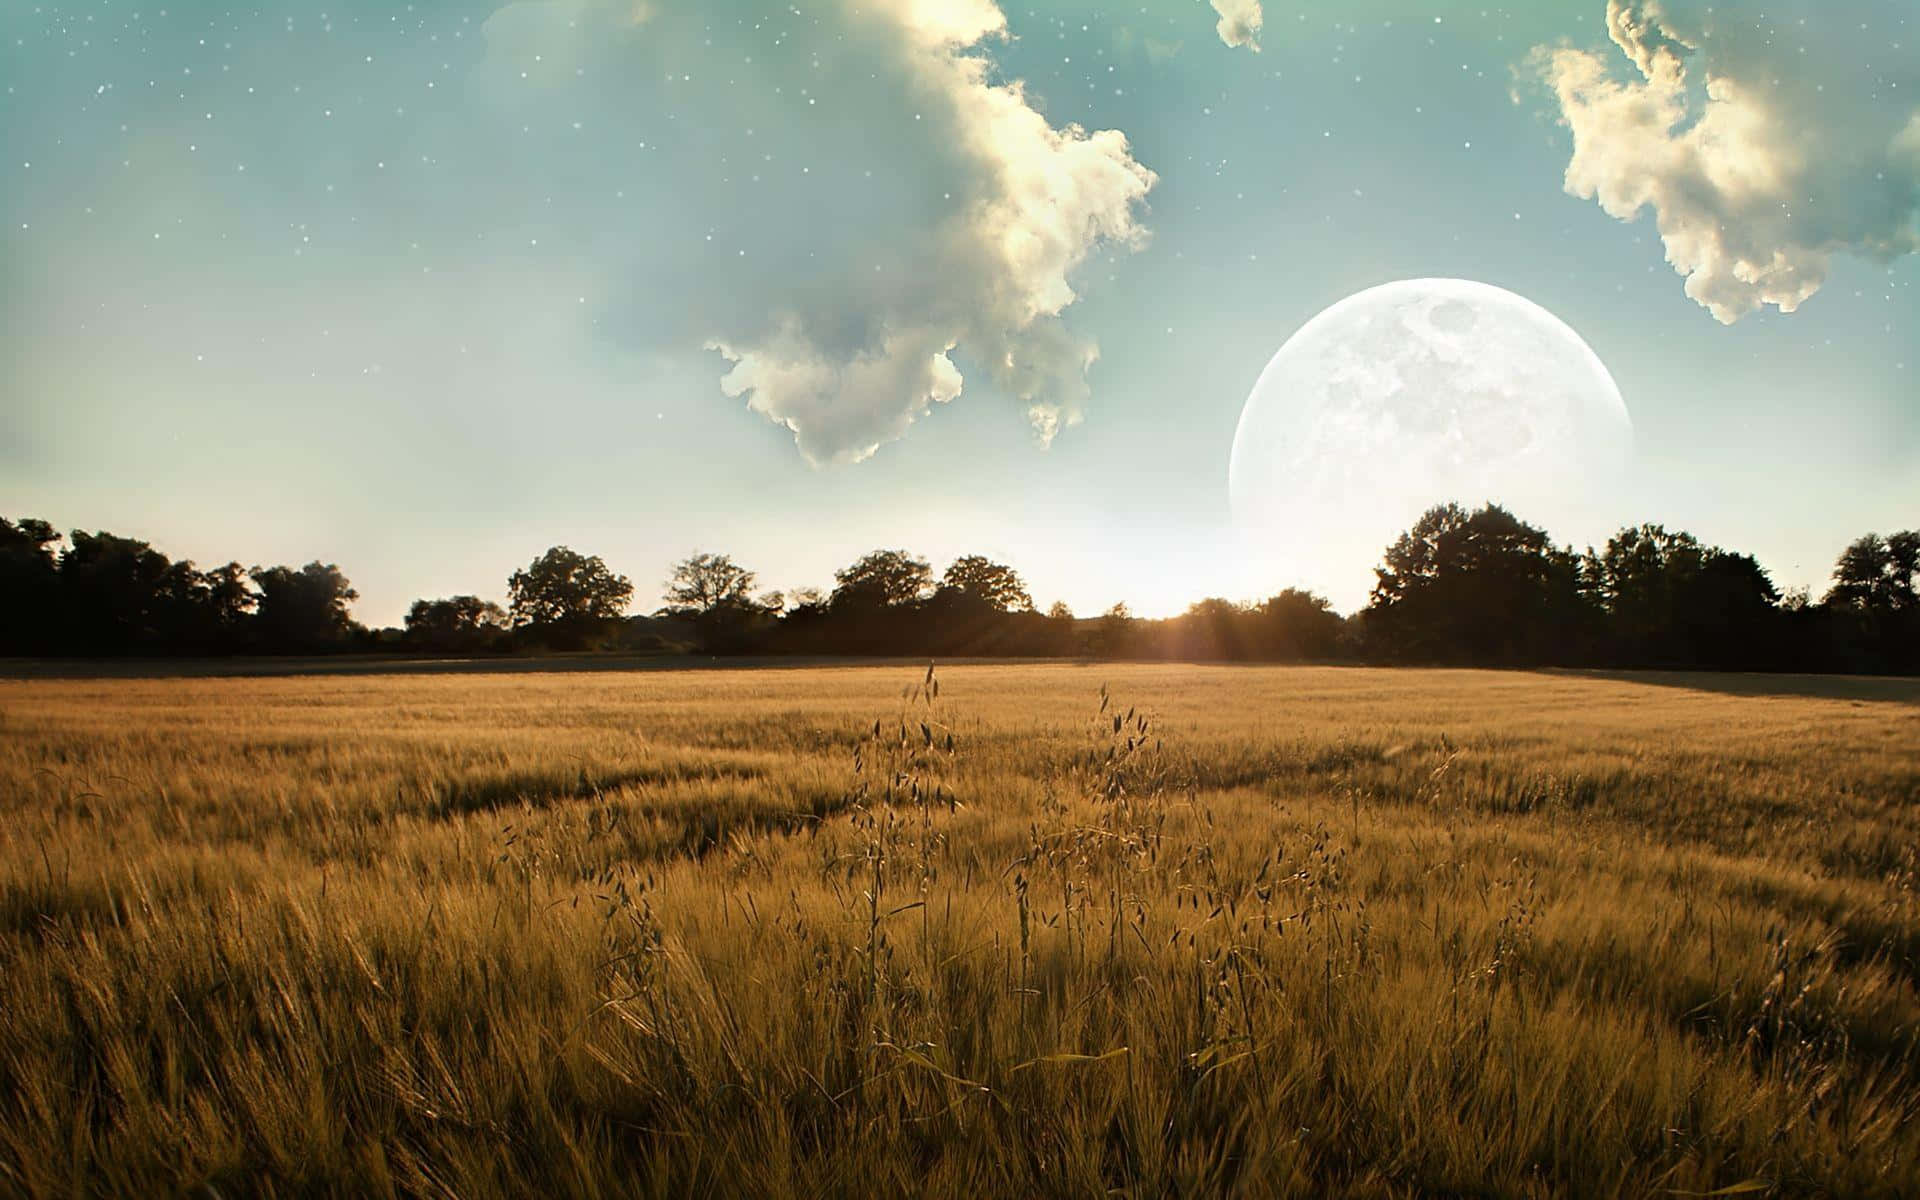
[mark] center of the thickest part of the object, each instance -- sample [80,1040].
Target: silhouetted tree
[1210,629]
[1730,613]
[231,600]
[716,594]
[112,595]
[884,578]
[304,610]
[36,539]
[875,606]
[1877,574]
[998,586]
[807,625]
[202,612]
[1637,579]
[457,625]
[119,595]
[1114,636]
[29,587]
[1479,587]
[953,621]
[567,599]
[1466,587]
[1296,626]
[707,581]
[1873,608]
[1673,602]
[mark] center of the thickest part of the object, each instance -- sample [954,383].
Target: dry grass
[1243,931]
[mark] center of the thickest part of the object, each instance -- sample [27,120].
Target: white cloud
[880,208]
[1763,147]
[841,406]
[1240,22]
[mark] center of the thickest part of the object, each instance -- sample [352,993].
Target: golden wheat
[1034,930]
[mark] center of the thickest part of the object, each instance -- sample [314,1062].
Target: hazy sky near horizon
[424,289]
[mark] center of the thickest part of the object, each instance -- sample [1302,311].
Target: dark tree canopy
[456,624]
[1878,574]
[29,586]
[28,548]
[305,609]
[1670,601]
[114,595]
[1298,625]
[1114,635]
[566,590]
[1636,575]
[997,586]
[1480,587]
[717,594]
[1212,629]
[117,589]
[1477,587]
[230,595]
[106,594]
[706,582]
[884,578]
[1873,608]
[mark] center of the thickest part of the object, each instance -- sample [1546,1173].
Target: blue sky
[426,289]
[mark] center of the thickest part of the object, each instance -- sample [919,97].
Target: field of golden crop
[819,932]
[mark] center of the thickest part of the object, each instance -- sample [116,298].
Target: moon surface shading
[1418,393]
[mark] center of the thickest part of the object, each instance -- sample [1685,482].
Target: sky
[424,289]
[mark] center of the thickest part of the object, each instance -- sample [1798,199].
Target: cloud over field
[879,210]
[1765,143]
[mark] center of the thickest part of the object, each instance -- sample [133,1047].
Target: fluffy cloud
[876,209]
[1240,22]
[1764,145]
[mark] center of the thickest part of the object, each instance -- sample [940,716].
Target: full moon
[1412,395]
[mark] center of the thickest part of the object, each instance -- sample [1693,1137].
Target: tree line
[1468,588]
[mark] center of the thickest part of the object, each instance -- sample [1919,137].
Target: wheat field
[1041,930]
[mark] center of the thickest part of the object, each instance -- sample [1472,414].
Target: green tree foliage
[563,589]
[993,584]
